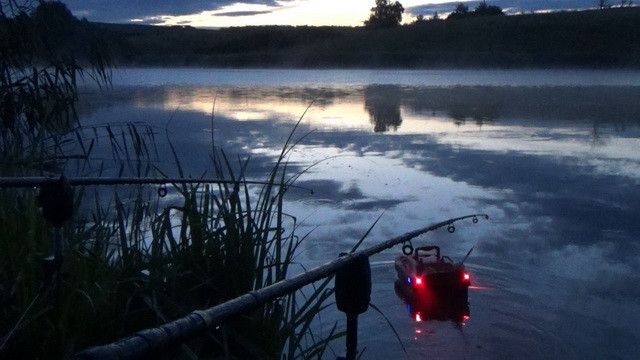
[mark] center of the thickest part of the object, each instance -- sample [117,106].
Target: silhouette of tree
[43,51]
[602,4]
[420,19]
[462,9]
[53,11]
[436,16]
[485,9]
[461,12]
[385,14]
[57,25]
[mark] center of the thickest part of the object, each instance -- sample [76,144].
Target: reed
[135,261]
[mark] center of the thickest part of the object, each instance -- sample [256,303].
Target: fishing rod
[145,342]
[39,181]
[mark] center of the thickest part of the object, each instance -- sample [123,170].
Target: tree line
[389,14]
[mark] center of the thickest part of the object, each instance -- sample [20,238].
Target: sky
[225,13]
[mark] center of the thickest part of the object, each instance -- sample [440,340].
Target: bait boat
[433,285]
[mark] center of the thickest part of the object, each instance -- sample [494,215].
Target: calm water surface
[552,156]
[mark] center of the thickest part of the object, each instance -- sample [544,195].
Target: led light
[466,318]
[418,280]
[408,279]
[466,277]
[418,317]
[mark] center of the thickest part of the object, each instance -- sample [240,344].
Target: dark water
[554,160]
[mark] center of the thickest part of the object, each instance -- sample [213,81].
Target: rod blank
[145,342]
[30,182]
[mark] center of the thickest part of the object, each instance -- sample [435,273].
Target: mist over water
[553,159]
[337,78]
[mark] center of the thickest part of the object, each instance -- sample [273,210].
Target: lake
[553,157]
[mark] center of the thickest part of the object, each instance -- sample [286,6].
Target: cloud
[510,6]
[243,13]
[126,10]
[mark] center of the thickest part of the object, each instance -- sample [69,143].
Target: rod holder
[353,295]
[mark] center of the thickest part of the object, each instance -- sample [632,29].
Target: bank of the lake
[591,39]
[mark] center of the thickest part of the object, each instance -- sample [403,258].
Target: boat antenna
[465,258]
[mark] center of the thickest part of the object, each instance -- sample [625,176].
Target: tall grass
[135,261]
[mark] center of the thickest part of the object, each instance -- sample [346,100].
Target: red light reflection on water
[481,288]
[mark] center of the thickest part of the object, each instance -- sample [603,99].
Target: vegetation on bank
[462,11]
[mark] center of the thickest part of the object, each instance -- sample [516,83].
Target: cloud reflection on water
[535,145]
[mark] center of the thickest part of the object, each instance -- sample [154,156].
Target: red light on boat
[418,317]
[466,318]
[466,277]
[418,280]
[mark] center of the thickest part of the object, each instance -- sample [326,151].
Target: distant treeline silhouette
[597,38]
[483,9]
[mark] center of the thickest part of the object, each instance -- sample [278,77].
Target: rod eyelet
[162,191]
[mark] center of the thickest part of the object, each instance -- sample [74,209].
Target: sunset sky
[224,13]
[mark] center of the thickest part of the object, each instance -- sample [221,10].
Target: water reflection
[557,168]
[433,309]
[383,105]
